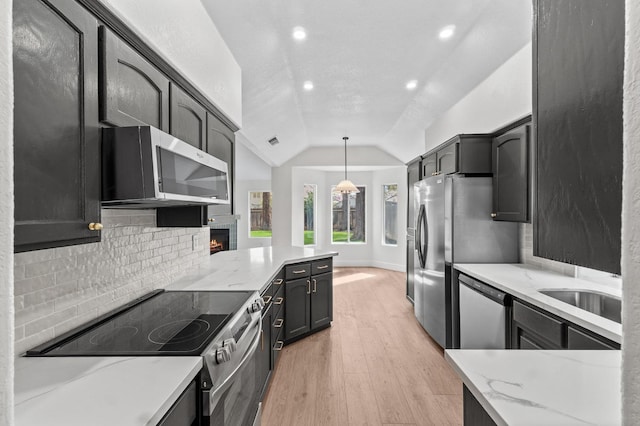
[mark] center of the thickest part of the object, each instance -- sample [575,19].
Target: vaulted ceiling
[360,55]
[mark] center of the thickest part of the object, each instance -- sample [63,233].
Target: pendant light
[346,186]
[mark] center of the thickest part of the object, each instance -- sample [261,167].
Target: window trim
[315,216]
[366,220]
[384,216]
[249,215]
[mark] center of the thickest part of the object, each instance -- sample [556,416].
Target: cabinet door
[297,307]
[188,118]
[447,159]
[321,300]
[577,106]
[264,350]
[56,137]
[133,92]
[221,144]
[429,166]
[511,188]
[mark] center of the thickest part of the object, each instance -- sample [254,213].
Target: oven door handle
[214,394]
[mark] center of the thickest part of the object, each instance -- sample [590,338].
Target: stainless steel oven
[224,328]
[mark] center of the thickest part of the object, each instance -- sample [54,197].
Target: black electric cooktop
[167,323]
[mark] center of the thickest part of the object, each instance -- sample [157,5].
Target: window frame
[384,221]
[249,215]
[366,220]
[315,216]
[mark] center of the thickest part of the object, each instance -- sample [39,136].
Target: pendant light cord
[345,157]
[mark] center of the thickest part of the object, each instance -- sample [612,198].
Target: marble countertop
[99,390]
[543,387]
[245,270]
[524,281]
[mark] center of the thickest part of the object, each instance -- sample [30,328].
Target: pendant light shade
[346,186]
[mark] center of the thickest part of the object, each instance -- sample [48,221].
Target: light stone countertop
[524,281]
[518,387]
[245,270]
[98,391]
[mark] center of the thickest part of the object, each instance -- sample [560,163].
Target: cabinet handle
[302,271]
[211,219]
[279,301]
[308,287]
[314,285]
[95,226]
[433,174]
[278,323]
[494,214]
[262,340]
[278,281]
[278,346]
[323,267]
[266,299]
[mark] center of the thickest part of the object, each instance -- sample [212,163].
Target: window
[348,216]
[390,214]
[309,214]
[260,214]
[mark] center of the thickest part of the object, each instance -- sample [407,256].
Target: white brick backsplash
[59,289]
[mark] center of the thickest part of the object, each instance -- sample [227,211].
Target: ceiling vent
[274,141]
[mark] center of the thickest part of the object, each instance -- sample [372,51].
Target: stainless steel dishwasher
[483,315]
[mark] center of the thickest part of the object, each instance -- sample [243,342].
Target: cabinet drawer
[538,322]
[267,295]
[298,271]
[321,266]
[579,340]
[278,344]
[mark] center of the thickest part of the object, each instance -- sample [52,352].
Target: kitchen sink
[605,305]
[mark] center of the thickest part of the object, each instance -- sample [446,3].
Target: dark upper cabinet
[56,137]
[221,144]
[188,118]
[511,179]
[429,166]
[577,107]
[132,91]
[468,154]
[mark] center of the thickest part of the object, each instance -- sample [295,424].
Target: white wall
[252,174]
[6,216]
[631,221]
[184,34]
[316,166]
[503,97]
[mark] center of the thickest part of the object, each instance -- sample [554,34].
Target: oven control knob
[231,344]
[254,307]
[223,355]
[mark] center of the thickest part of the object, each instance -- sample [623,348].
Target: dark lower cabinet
[188,118]
[309,300]
[264,350]
[184,412]
[297,308]
[474,414]
[511,181]
[56,136]
[132,91]
[578,57]
[534,328]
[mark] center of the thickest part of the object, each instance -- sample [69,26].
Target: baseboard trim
[368,264]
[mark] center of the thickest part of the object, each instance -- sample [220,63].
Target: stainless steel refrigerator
[453,225]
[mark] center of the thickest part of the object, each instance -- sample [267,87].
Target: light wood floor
[374,366]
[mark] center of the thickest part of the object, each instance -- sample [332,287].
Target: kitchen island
[542,387]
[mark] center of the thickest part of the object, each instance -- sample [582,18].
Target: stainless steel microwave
[143,167]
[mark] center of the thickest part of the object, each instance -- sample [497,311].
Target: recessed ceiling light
[447,32]
[412,84]
[308,85]
[299,33]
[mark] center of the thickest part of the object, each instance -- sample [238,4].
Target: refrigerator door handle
[419,244]
[425,243]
